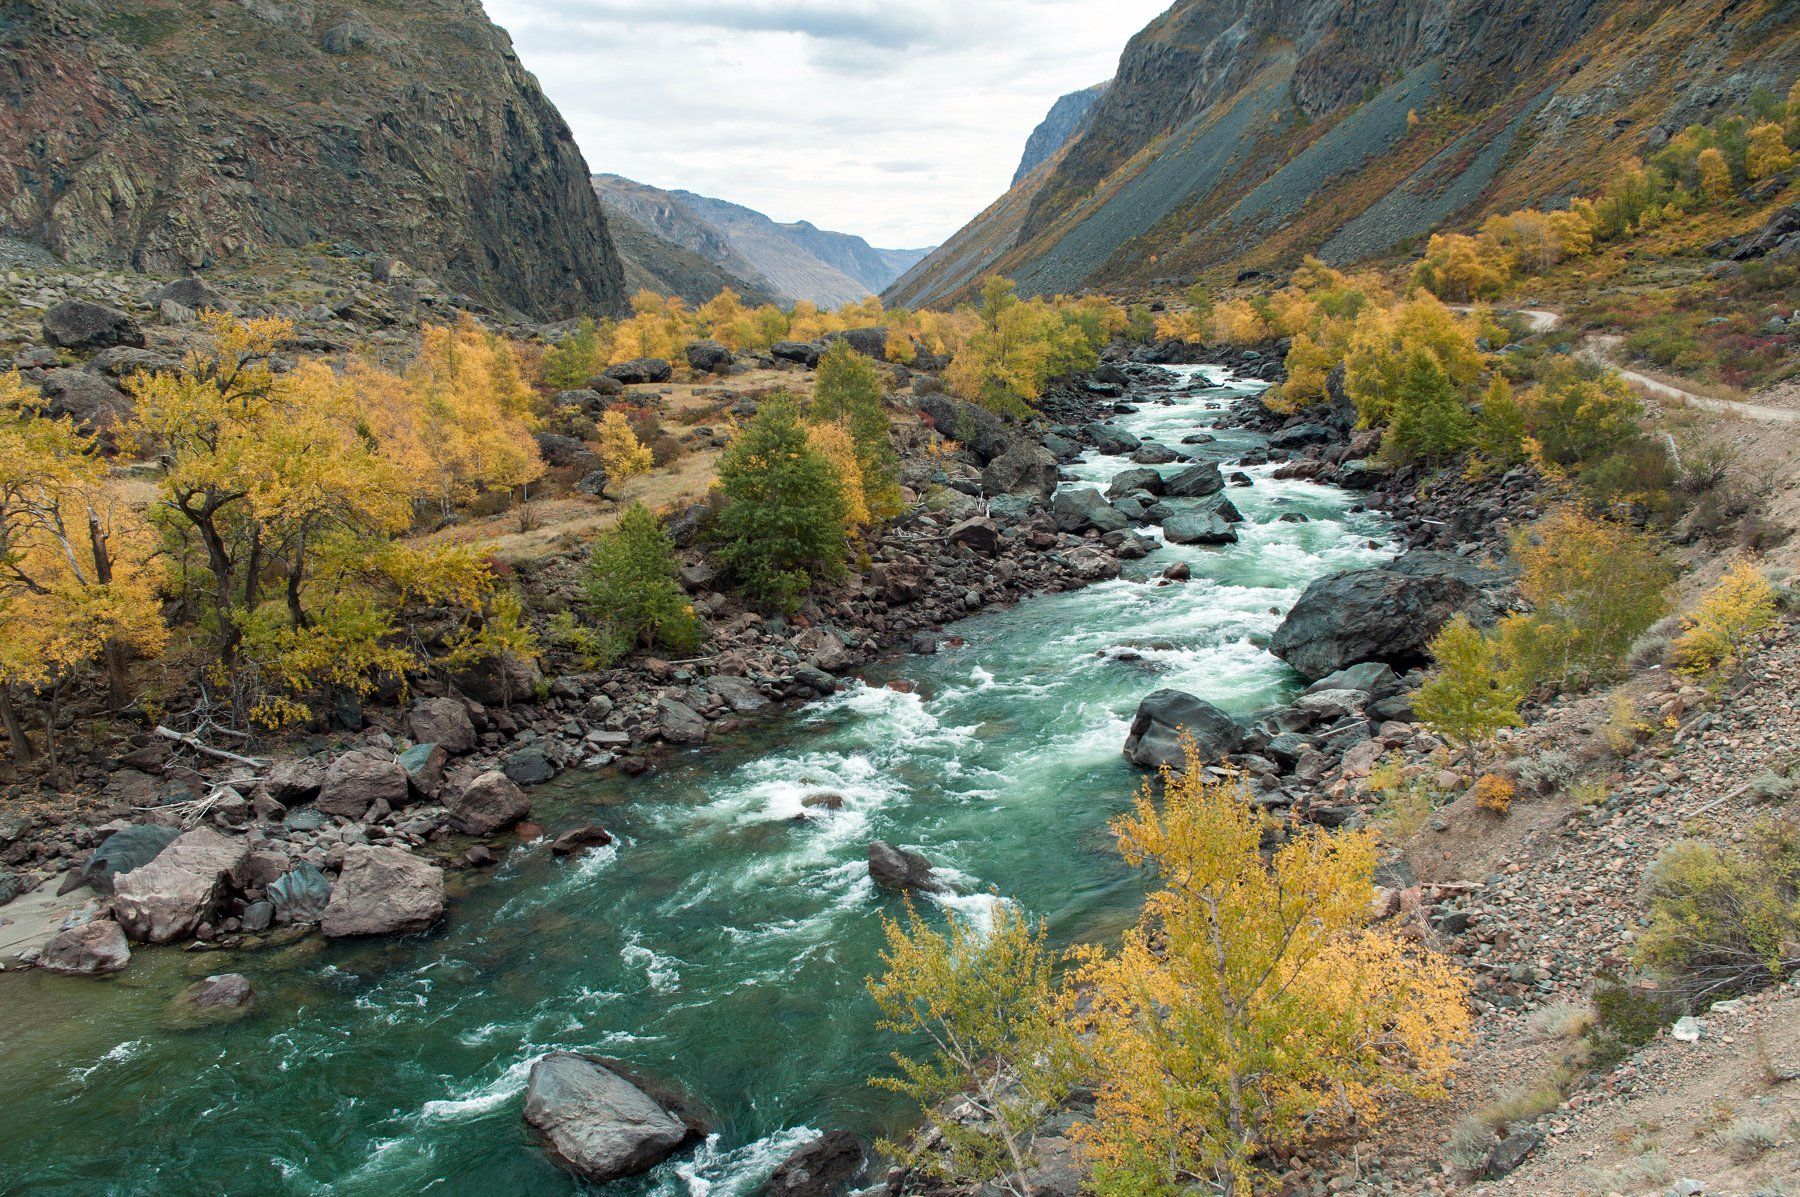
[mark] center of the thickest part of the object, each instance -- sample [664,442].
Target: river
[721,942]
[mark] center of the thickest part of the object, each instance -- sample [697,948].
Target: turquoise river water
[720,942]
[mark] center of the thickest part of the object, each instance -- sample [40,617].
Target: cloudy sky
[897,120]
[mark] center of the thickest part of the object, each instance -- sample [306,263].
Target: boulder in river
[1194,482]
[183,887]
[1080,508]
[1199,527]
[1142,478]
[491,802]
[899,870]
[1114,442]
[89,950]
[384,891]
[829,1166]
[577,839]
[1388,614]
[1165,716]
[596,1123]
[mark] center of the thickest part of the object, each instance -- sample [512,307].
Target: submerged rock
[596,1123]
[830,1166]
[897,869]
[222,998]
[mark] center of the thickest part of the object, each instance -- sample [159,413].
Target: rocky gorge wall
[171,135]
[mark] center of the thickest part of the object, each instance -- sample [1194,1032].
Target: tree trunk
[296,575]
[50,711]
[15,730]
[118,685]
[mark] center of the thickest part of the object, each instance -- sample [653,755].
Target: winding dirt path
[1602,347]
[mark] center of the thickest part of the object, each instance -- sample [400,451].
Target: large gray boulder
[640,370]
[897,869]
[1194,482]
[78,324]
[1114,442]
[491,802]
[975,428]
[871,341]
[1080,508]
[594,1122]
[444,722]
[1387,614]
[805,353]
[184,886]
[358,779]
[94,404]
[384,891]
[189,292]
[89,950]
[1025,469]
[1165,716]
[1198,527]
[708,357]
[679,723]
[301,894]
[1143,478]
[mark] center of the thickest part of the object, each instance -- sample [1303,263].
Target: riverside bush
[633,592]
[1725,624]
[1254,1006]
[782,522]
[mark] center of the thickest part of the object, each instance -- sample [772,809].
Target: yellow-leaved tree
[622,455]
[1254,1007]
[76,581]
[472,413]
[1382,344]
[833,443]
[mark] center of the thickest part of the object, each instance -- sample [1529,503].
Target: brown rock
[489,803]
[355,780]
[384,891]
[183,887]
[89,950]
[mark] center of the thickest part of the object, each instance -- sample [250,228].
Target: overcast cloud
[897,121]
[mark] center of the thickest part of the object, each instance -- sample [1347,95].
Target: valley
[1262,664]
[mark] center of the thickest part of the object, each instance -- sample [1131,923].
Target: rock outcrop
[90,949]
[173,136]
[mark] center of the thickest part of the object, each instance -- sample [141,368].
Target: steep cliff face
[1064,119]
[174,133]
[1244,133]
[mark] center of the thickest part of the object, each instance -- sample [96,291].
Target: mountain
[1241,134]
[170,134]
[789,261]
[1061,123]
[801,260]
[669,250]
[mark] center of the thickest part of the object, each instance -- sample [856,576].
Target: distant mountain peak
[1061,123]
[792,260]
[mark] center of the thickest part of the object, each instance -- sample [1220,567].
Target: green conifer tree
[1430,422]
[573,360]
[632,589]
[782,525]
[1469,695]
[848,392]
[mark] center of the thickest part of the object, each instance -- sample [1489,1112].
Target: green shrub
[782,524]
[1725,920]
[632,589]
[1626,1016]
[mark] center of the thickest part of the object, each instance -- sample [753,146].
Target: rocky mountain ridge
[792,261]
[1237,136]
[1066,118]
[171,135]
